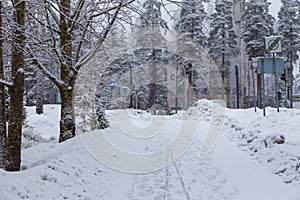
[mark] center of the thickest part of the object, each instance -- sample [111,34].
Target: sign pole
[286,87]
[253,82]
[275,75]
[273,45]
[263,87]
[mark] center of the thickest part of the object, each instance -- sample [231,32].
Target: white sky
[274,8]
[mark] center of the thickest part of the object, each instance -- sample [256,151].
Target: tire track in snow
[187,195]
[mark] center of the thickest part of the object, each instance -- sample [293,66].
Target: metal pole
[285,86]
[136,103]
[291,80]
[130,78]
[111,91]
[263,87]
[176,85]
[185,90]
[237,87]
[253,81]
[275,75]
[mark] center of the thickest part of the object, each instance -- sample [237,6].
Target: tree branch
[91,53]
[112,8]
[6,83]
[45,71]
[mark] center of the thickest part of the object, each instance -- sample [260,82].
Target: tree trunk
[39,107]
[67,122]
[68,75]
[13,145]
[2,99]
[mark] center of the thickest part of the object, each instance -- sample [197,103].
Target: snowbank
[43,128]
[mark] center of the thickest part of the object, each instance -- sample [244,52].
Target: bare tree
[74,30]
[16,88]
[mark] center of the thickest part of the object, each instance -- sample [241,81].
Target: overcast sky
[275,7]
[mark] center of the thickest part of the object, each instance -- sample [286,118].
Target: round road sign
[124,91]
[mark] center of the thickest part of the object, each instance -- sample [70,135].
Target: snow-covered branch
[42,23]
[11,83]
[44,70]
[112,8]
[91,53]
[6,83]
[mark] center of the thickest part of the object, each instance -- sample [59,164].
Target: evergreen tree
[222,40]
[191,43]
[149,24]
[257,24]
[289,28]
[190,23]
[150,38]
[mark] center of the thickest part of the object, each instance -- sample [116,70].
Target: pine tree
[257,24]
[149,25]
[222,40]
[191,43]
[190,23]
[150,38]
[289,28]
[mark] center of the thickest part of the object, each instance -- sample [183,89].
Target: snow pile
[43,128]
[140,118]
[55,171]
[272,140]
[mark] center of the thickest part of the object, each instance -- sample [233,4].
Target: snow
[243,165]
[41,128]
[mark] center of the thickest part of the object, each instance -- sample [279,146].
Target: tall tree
[70,39]
[16,91]
[190,23]
[222,41]
[150,23]
[2,97]
[191,42]
[257,23]
[149,35]
[289,28]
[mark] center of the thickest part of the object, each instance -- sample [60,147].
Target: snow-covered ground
[255,157]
